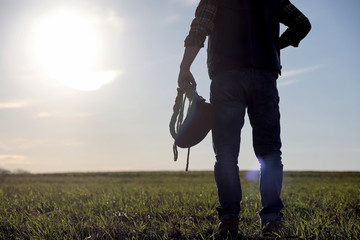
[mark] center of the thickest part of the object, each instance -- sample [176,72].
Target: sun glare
[65,45]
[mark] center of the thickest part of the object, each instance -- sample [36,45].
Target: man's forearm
[189,56]
[185,77]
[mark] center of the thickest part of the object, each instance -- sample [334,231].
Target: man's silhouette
[244,64]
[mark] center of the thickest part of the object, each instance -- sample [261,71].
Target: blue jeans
[232,92]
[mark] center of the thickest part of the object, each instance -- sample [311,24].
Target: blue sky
[109,111]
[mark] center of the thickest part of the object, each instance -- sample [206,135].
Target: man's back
[246,34]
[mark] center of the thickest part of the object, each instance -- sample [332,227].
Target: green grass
[169,205]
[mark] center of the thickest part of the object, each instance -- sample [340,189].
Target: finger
[192,80]
[184,85]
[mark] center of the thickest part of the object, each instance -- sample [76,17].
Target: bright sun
[66,47]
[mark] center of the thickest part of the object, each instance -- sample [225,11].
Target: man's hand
[283,43]
[185,79]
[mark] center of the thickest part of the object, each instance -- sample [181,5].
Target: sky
[88,86]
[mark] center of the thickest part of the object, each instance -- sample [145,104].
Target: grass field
[169,205]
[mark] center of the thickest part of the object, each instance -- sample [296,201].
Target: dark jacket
[246,35]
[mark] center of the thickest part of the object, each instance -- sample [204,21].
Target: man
[244,64]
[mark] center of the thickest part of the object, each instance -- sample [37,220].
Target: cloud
[86,81]
[284,79]
[19,144]
[289,82]
[44,115]
[13,160]
[7,157]
[299,71]
[62,114]
[13,104]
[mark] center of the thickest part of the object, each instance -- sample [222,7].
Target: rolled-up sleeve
[203,23]
[298,24]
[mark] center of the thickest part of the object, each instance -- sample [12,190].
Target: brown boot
[229,227]
[271,229]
